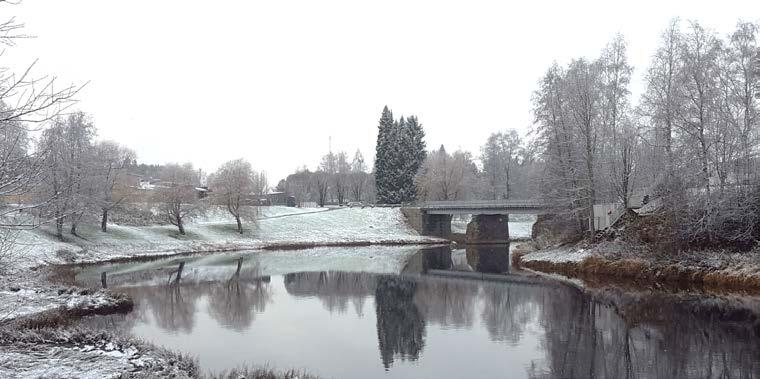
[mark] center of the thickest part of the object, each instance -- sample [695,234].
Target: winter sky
[270,81]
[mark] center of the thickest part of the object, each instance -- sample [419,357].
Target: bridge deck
[484,207]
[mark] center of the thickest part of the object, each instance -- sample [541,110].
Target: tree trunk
[104,221]
[59,227]
[180,226]
[74,228]
[239,224]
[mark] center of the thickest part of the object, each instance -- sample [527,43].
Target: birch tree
[583,100]
[699,52]
[620,135]
[67,170]
[177,195]
[111,161]
[358,177]
[233,184]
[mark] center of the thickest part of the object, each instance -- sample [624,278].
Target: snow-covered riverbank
[719,270]
[29,297]
[277,226]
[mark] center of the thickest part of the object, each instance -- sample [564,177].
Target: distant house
[277,198]
[280,198]
[202,192]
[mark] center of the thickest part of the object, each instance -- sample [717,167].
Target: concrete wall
[488,229]
[426,224]
[413,218]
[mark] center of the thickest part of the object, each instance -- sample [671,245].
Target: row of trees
[335,181]
[27,102]
[78,175]
[691,139]
[507,170]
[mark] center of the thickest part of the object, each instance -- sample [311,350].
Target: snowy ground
[557,255]
[216,231]
[84,354]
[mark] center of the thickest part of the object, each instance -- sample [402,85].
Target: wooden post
[103,279]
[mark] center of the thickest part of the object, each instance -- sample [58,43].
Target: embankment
[626,260]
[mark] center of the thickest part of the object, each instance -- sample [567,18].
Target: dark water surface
[339,324]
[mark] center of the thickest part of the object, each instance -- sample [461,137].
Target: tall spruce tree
[400,152]
[414,155]
[383,150]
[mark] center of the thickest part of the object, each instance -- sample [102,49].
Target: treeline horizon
[693,134]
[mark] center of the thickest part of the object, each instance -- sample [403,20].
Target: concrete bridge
[489,223]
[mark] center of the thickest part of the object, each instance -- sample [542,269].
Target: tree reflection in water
[609,333]
[334,289]
[508,309]
[400,326]
[447,302]
[623,335]
[235,303]
[173,307]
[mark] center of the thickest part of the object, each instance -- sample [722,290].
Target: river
[396,312]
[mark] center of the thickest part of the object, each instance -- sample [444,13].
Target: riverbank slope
[631,250]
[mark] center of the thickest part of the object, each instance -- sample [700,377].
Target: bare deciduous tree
[177,194]
[111,161]
[446,176]
[233,183]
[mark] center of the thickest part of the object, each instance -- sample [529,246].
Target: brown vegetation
[641,270]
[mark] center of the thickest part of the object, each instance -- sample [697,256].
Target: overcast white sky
[209,81]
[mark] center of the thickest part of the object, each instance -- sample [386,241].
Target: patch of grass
[248,229]
[94,234]
[260,373]
[172,232]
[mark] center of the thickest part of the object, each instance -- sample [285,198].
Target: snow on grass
[83,354]
[219,215]
[283,226]
[557,255]
[340,225]
[19,303]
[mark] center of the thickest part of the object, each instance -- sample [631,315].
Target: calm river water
[314,310]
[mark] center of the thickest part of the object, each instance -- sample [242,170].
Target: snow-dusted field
[216,231]
[340,225]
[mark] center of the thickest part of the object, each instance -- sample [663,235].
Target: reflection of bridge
[489,218]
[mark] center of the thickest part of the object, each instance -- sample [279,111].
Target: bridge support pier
[436,225]
[488,229]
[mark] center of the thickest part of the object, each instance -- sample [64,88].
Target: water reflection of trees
[400,325]
[235,303]
[334,289]
[606,334]
[447,302]
[232,304]
[630,336]
[173,307]
[508,309]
